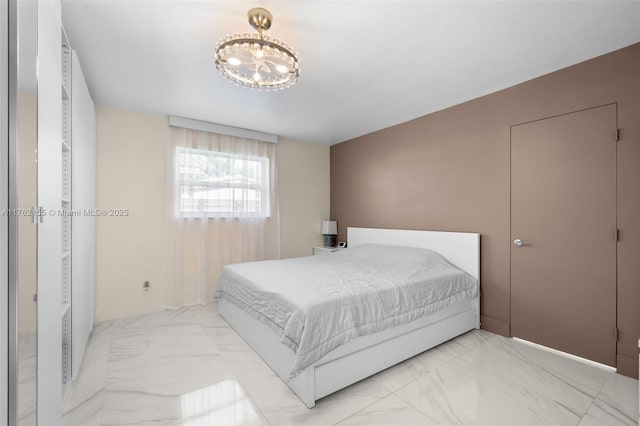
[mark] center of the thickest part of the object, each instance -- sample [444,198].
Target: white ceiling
[366,65]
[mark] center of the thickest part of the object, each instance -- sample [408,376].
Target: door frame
[615,196]
[4,205]
[12,203]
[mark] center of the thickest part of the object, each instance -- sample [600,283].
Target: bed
[315,362]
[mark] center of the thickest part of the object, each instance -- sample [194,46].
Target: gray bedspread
[318,303]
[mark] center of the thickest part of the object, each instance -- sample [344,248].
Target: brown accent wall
[450,171]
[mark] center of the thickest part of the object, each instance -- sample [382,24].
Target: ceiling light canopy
[256,60]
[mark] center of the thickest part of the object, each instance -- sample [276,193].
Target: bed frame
[367,355]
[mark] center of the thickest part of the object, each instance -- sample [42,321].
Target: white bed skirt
[357,359]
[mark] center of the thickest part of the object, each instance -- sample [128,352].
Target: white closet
[78,199]
[66,207]
[66,236]
[83,226]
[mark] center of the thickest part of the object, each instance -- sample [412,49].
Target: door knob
[519,243]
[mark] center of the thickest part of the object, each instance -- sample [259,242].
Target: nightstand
[325,250]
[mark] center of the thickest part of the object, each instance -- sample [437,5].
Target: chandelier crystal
[256,60]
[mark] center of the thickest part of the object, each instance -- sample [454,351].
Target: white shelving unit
[83,160]
[66,146]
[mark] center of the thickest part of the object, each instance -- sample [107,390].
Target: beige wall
[450,171]
[303,179]
[131,174]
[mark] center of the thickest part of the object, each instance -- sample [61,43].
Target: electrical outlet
[146,286]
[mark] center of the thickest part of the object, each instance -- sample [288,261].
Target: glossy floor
[189,368]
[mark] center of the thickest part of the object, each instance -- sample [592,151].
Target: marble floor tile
[167,318]
[224,403]
[144,390]
[246,362]
[584,376]
[227,340]
[503,359]
[616,403]
[464,343]
[281,406]
[189,368]
[473,338]
[400,375]
[388,411]
[92,377]
[102,328]
[165,341]
[499,376]
[27,379]
[207,316]
[460,394]
[147,378]
[603,416]
[28,420]
[85,412]
[149,365]
[556,400]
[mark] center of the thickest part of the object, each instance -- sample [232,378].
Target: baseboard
[627,365]
[494,325]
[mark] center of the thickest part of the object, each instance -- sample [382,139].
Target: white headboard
[462,249]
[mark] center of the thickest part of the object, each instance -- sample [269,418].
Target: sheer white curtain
[223,208]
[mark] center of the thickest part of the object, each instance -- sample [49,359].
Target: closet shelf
[65,39]
[65,309]
[65,146]
[65,92]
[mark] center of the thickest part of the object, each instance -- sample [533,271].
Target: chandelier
[256,60]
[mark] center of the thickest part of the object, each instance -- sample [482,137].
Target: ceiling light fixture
[256,60]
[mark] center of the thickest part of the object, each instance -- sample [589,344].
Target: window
[219,184]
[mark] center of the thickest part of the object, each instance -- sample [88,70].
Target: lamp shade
[329,227]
